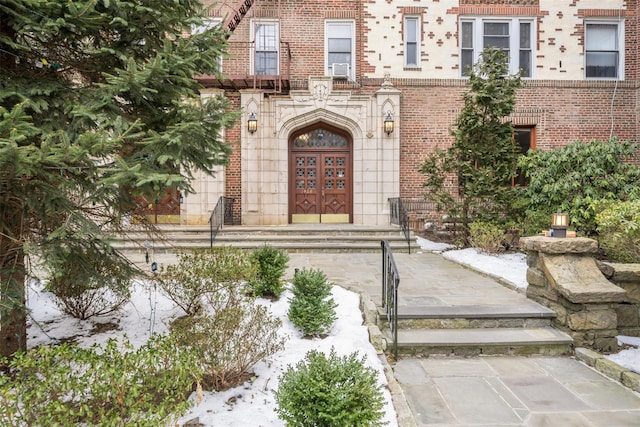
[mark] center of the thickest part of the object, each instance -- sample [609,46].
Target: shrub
[88,287]
[272,264]
[231,334]
[311,309]
[200,272]
[619,231]
[110,386]
[487,237]
[573,178]
[330,391]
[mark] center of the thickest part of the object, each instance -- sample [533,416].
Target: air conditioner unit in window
[340,71]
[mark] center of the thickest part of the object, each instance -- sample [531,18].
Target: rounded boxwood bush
[330,391]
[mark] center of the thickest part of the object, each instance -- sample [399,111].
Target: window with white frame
[340,48]
[266,44]
[411,41]
[206,25]
[603,59]
[513,35]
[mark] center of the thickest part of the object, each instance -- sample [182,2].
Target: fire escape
[239,71]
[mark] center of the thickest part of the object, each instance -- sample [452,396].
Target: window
[207,24]
[266,48]
[602,51]
[525,138]
[339,49]
[513,36]
[411,41]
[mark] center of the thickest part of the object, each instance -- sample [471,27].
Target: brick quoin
[562,111]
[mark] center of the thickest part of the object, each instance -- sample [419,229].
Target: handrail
[398,215]
[219,216]
[390,283]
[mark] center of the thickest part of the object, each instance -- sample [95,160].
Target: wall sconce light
[559,224]
[388,124]
[252,123]
[180,197]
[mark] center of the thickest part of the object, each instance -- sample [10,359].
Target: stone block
[628,315]
[375,338]
[533,260]
[553,245]
[536,277]
[606,269]
[587,356]
[626,273]
[579,280]
[610,369]
[606,344]
[370,311]
[587,320]
[631,380]
[539,294]
[633,291]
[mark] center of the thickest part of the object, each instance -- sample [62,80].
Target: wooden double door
[320,177]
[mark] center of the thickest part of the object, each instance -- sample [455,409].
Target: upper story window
[207,24]
[513,35]
[340,48]
[411,41]
[603,59]
[266,48]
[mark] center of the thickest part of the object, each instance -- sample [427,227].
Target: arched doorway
[320,175]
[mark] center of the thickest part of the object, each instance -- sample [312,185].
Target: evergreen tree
[98,105]
[482,160]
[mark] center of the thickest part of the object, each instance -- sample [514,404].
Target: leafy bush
[90,286]
[332,392]
[311,309]
[200,272]
[571,179]
[487,237]
[619,231]
[272,263]
[115,386]
[230,340]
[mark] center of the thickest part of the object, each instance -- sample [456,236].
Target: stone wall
[564,276]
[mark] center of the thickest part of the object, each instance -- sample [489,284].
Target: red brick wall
[562,111]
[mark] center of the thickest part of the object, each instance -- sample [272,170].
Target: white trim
[418,32]
[328,69]
[514,40]
[619,22]
[252,56]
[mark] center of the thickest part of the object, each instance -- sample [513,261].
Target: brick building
[320,81]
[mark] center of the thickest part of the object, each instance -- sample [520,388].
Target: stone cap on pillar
[559,245]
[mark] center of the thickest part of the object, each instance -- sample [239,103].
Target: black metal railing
[222,214]
[398,215]
[390,283]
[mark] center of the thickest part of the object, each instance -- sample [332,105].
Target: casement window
[339,49]
[266,44]
[411,41]
[603,58]
[513,35]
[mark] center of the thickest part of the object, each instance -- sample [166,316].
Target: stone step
[489,341]
[294,238]
[518,315]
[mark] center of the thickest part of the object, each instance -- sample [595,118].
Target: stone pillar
[563,275]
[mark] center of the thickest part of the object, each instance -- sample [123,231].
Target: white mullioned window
[603,53]
[340,48]
[513,35]
[412,41]
[266,48]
